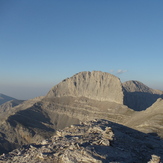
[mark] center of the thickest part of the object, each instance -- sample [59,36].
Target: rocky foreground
[98,141]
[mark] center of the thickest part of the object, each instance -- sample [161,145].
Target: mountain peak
[136,86]
[95,85]
[138,96]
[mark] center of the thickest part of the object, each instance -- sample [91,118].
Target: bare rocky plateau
[132,110]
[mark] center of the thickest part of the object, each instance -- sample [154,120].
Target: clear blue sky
[43,42]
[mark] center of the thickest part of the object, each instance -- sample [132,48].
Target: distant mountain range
[82,97]
[4,98]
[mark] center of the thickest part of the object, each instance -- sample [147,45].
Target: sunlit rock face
[95,85]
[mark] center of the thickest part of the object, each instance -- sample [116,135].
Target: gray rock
[95,85]
[88,142]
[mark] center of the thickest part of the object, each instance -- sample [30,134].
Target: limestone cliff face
[95,85]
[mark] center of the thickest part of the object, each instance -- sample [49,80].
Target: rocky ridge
[97,141]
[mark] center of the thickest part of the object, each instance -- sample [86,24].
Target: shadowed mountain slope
[138,96]
[150,120]
[4,98]
[12,133]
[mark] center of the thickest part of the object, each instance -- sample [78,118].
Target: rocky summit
[95,85]
[97,141]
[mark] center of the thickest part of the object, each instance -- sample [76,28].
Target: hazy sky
[43,42]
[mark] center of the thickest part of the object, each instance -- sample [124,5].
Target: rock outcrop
[95,85]
[97,141]
[138,96]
